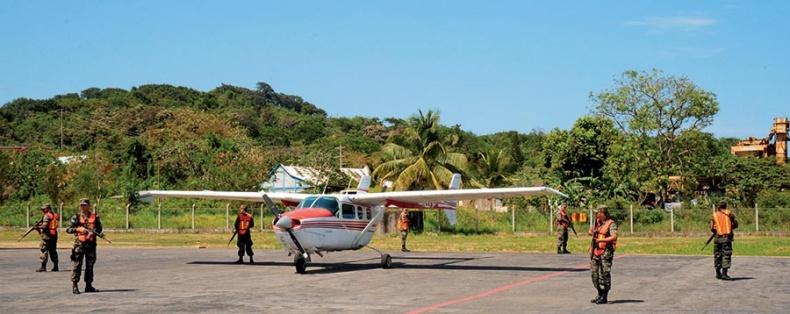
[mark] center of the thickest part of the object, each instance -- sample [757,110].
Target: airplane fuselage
[326,223]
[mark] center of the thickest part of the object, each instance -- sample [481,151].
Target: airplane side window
[348,211]
[367,213]
[360,213]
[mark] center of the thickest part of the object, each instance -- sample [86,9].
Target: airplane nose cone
[284,222]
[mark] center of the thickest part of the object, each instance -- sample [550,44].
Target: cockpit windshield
[325,202]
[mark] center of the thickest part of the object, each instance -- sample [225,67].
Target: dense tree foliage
[647,128]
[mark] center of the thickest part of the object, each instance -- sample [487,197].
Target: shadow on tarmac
[626,301]
[349,266]
[116,290]
[740,278]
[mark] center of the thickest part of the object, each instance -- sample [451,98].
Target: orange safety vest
[721,220]
[89,223]
[403,221]
[53,223]
[244,223]
[600,234]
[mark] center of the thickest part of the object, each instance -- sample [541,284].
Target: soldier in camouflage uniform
[48,229]
[604,243]
[85,225]
[563,222]
[723,225]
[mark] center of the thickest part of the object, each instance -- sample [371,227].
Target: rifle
[593,243]
[570,224]
[233,236]
[100,235]
[35,227]
[708,242]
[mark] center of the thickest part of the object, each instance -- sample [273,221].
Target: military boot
[595,300]
[43,268]
[90,289]
[718,273]
[604,297]
[559,250]
[565,249]
[251,261]
[404,249]
[240,261]
[724,275]
[55,268]
[75,289]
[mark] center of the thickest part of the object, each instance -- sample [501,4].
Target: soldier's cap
[45,206]
[84,201]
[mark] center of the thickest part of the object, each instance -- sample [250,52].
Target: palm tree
[491,168]
[418,158]
[490,172]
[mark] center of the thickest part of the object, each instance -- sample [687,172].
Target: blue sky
[486,65]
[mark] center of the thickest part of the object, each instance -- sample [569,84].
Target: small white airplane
[346,221]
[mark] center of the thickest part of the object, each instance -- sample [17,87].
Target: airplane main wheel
[300,264]
[386,261]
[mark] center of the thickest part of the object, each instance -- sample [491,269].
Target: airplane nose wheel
[300,263]
[386,261]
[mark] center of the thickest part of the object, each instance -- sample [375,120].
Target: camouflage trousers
[80,252]
[244,243]
[403,235]
[601,269]
[562,237]
[722,253]
[49,250]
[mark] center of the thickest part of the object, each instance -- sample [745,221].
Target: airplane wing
[289,199]
[418,199]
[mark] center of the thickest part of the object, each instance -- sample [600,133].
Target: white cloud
[673,22]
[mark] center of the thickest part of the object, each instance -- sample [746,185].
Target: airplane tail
[364,184]
[455,184]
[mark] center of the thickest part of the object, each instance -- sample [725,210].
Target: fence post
[438,222]
[127,215]
[591,218]
[756,218]
[60,213]
[551,213]
[261,222]
[159,216]
[193,216]
[631,218]
[477,218]
[27,217]
[513,219]
[672,219]
[227,216]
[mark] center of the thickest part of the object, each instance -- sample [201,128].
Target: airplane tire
[386,261]
[300,264]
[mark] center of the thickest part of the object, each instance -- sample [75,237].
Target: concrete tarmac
[147,280]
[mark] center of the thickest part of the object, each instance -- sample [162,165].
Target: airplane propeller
[283,222]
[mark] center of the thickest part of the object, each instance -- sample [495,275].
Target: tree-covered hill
[228,138]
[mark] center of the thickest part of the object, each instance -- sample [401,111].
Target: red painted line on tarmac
[496,290]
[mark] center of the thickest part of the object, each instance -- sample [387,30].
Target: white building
[285,178]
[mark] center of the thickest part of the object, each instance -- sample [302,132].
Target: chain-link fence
[215,215]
